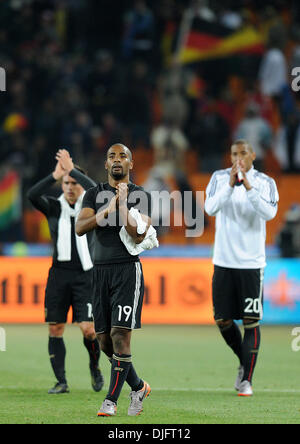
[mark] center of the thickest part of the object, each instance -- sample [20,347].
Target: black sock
[57,354]
[233,337]
[93,350]
[119,371]
[251,345]
[134,382]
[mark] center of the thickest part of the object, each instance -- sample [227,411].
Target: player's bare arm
[59,172]
[88,219]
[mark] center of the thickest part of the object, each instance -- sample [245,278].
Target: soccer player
[118,275]
[242,200]
[70,277]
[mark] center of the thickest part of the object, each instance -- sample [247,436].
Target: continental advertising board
[177,291]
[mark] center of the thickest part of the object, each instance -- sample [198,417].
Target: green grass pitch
[190,369]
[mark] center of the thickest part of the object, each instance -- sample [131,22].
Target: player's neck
[113,182]
[250,168]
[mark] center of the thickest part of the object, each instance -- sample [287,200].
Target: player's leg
[119,369]
[120,361]
[57,354]
[125,316]
[106,345]
[82,289]
[252,282]
[232,336]
[91,343]
[251,344]
[225,310]
[57,303]
[123,370]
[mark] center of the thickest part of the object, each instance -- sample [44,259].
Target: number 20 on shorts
[253,306]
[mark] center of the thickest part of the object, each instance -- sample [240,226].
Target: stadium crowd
[83,75]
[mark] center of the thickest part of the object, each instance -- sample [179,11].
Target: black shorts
[118,296]
[237,293]
[65,289]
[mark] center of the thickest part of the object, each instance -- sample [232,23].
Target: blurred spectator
[46,121]
[201,9]
[135,107]
[231,19]
[210,136]
[139,32]
[43,158]
[79,128]
[295,55]
[226,107]
[287,144]
[103,85]
[169,144]
[288,239]
[110,132]
[264,103]
[77,78]
[257,132]
[156,181]
[273,69]
[172,97]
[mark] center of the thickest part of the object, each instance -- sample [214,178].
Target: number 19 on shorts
[124,312]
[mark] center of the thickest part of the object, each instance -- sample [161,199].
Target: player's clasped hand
[112,207]
[233,173]
[122,193]
[242,168]
[239,165]
[66,162]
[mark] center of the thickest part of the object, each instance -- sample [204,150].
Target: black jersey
[50,206]
[108,247]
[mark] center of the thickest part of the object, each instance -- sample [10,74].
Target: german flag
[206,41]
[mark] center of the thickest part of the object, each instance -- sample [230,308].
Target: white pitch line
[219,389]
[196,389]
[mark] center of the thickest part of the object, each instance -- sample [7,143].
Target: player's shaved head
[118,162]
[243,142]
[123,147]
[242,150]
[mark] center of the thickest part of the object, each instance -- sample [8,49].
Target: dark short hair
[124,146]
[243,142]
